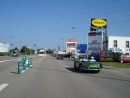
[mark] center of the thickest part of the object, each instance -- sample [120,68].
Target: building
[119,44]
[4,47]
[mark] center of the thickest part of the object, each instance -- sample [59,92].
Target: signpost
[97,37]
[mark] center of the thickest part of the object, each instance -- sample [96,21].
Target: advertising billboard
[71,40]
[98,23]
[71,45]
[97,36]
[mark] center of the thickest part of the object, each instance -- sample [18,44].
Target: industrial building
[119,44]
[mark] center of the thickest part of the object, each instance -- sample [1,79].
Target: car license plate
[93,66]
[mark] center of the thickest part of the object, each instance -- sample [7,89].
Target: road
[52,78]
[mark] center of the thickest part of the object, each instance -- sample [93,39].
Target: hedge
[106,59]
[4,53]
[109,59]
[102,59]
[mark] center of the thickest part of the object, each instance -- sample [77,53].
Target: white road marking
[3,86]
[7,60]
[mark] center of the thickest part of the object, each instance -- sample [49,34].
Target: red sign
[94,41]
[71,40]
[92,34]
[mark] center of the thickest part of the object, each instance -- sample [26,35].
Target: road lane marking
[5,61]
[8,60]
[2,86]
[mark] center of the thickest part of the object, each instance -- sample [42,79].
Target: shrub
[102,59]
[4,53]
[109,59]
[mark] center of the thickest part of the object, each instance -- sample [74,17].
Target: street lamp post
[63,43]
[74,32]
[75,38]
[35,47]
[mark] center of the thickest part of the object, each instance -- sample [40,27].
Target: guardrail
[24,64]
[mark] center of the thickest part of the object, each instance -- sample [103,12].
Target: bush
[67,55]
[109,60]
[102,59]
[4,53]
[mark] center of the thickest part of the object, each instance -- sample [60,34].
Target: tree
[14,49]
[49,51]
[26,50]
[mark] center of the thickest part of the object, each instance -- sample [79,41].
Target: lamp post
[10,45]
[75,44]
[63,43]
[35,48]
[74,32]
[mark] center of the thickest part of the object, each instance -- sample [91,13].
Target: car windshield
[60,55]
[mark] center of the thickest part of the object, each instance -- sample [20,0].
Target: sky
[48,23]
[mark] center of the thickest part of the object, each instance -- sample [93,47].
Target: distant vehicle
[84,64]
[15,54]
[82,56]
[42,52]
[60,56]
[125,58]
[95,55]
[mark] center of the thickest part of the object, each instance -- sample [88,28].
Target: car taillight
[84,66]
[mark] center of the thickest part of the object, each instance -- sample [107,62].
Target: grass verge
[116,64]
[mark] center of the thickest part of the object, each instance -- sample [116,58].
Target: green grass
[116,64]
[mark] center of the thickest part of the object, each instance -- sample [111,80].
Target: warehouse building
[119,44]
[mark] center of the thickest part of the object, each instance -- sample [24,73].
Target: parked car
[125,58]
[60,56]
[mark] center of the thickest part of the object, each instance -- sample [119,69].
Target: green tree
[26,50]
[49,51]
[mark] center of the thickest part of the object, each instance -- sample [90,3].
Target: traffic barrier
[20,67]
[24,64]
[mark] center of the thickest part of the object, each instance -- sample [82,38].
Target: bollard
[29,62]
[20,67]
[24,64]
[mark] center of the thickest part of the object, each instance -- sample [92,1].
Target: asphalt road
[52,78]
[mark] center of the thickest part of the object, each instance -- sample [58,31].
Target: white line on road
[7,60]
[2,86]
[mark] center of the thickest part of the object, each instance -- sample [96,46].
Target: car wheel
[97,71]
[121,61]
[75,65]
[80,68]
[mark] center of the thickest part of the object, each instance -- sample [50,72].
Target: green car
[81,65]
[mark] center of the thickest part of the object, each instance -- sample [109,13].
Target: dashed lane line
[7,60]
[2,86]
